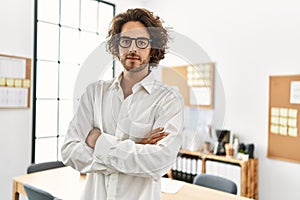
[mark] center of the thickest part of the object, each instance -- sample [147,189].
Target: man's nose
[133,46]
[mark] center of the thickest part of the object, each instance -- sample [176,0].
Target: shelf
[249,170]
[214,157]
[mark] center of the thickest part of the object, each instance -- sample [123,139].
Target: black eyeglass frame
[135,39]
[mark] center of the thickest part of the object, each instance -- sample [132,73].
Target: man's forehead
[137,32]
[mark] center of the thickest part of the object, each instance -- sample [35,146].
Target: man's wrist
[95,130]
[92,137]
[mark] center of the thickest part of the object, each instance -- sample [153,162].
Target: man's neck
[129,79]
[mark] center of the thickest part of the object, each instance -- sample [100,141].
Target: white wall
[16,22]
[249,41]
[17,28]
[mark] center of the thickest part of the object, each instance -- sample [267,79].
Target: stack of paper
[171,186]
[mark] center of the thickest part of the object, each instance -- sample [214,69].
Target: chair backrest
[44,166]
[216,182]
[34,193]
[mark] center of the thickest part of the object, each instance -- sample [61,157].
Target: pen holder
[229,150]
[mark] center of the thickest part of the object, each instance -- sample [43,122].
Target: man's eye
[141,42]
[125,41]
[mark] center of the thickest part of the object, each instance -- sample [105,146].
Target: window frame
[34,76]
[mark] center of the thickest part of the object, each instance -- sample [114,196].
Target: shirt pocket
[138,131]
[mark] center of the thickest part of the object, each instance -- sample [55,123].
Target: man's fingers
[157,130]
[158,137]
[154,136]
[160,134]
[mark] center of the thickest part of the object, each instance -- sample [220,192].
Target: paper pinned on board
[200,96]
[12,67]
[295,92]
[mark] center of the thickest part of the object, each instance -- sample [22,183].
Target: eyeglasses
[140,42]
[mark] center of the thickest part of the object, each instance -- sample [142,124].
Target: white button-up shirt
[118,167]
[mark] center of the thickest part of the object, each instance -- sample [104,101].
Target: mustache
[132,55]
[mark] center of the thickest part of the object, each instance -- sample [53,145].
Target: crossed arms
[89,149]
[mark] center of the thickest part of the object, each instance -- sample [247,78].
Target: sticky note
[274,129]
[283,112]
[275,120]
[10,82]
[282,130]
[2,81]
[275,111]
[292,122]
[293,113]
[293,132]
[26,83]
[201,83]
[283,121]
[18,83]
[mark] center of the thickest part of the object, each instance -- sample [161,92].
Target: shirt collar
[147,83]
[116,81]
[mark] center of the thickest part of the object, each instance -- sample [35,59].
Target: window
[66,31]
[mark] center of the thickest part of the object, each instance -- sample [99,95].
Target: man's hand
[92,137]
[154,136]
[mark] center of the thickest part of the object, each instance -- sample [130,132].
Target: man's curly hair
[158,34]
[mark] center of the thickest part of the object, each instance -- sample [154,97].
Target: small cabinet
[243,173]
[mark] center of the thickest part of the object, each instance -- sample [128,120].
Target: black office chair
[216,182]
[36,167]
[34,193]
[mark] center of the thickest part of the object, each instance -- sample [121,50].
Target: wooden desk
[66,183]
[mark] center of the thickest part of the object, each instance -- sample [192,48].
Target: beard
[132,62]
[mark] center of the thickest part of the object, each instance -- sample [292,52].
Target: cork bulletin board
[284,118]
[195,83]
[15,82]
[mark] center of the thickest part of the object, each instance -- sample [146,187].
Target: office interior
[247,40]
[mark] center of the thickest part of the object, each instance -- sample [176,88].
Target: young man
[126,132]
